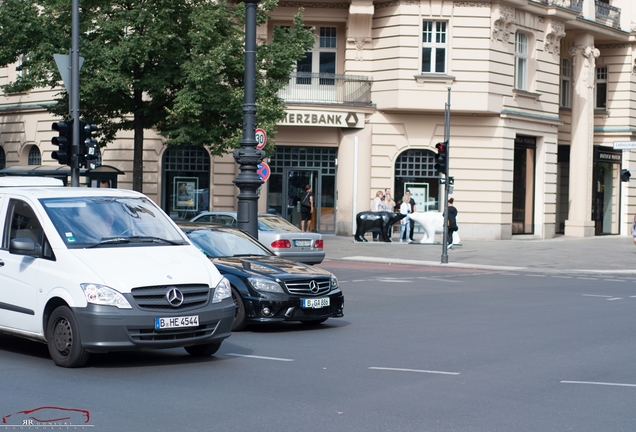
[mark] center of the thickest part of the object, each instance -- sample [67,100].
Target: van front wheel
[63,339]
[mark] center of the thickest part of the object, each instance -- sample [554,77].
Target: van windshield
[108,221]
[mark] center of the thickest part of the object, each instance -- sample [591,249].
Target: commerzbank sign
[339,119]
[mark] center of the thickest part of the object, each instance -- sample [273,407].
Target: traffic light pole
[446,180]
[74,99]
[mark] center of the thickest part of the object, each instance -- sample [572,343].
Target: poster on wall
[184,193]
[419,192]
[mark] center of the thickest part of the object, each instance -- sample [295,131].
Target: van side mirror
[25,246]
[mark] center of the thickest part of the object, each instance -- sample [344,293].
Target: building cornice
[541,118]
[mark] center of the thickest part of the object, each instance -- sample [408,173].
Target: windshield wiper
[111,240]
[154,239]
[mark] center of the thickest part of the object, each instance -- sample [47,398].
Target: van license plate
[176,322]
[315,303]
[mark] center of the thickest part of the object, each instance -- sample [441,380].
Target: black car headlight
[333,283]
[265,285]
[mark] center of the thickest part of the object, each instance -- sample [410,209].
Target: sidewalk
[604,254]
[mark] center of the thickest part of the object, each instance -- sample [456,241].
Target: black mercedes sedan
[265,287]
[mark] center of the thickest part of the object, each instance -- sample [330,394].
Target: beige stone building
[539,91]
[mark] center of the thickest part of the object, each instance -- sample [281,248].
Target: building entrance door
[606,193]
[294,189]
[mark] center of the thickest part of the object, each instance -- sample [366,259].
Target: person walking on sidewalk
[405,209]
[452,223]
[306,209]
[411,202]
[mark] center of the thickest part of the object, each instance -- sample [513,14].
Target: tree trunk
[138,152]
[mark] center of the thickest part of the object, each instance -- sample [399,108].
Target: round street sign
[263,171]
[261,138]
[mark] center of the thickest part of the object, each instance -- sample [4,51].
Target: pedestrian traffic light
[63,141]
[625,175]
[89,147]
[441,160]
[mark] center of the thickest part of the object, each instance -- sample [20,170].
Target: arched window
[186,170]
[35,158]
[415,170]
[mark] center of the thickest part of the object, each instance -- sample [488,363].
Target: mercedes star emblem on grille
[313,287]
[174,297]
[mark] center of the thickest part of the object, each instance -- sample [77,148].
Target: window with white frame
[521,61]
[434,41]
[321,59]
[600,88]
[566,83]
[20,65]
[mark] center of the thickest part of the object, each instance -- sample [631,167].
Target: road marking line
[614,280]
[615,298]
[359,280]
[632,296]
[596,295]
[261,358]
[393,280]
[439,279]
[584,278]
[414,370]
[598,383]
[534,275]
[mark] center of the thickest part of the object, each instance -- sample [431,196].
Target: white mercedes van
[89,270]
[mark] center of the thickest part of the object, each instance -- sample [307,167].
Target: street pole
[248,157]
[446,174]
[74,98]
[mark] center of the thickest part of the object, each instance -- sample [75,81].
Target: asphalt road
[419,349]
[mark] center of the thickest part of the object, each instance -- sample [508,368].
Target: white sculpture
[432,222]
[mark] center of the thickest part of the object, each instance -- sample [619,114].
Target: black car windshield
[226,242]
[110,221]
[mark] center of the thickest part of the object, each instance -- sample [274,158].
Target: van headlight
[103,295]
[222,291]
[265,285]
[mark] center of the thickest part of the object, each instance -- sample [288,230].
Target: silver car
[280,236]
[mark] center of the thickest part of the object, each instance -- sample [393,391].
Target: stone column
[579,222]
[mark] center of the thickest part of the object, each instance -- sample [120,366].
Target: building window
[521,61]
[34,156]
[3,159]
[321,59]
[415,171]
[600,98]
[566,83]
[434,47]
[186,173]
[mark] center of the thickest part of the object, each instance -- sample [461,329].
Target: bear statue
[366,221]
[432,222]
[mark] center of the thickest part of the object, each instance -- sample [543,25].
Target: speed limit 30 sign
[261,138]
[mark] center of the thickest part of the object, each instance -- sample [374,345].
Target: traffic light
[89,148]
[63,141]
[625,175]
[441,160]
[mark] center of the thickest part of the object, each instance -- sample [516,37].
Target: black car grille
[308,287]
[154,297]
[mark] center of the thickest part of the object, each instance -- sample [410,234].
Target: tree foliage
[173,65]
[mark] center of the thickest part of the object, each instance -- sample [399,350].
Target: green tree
[173,65]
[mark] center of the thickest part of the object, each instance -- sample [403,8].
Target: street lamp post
[248,157]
